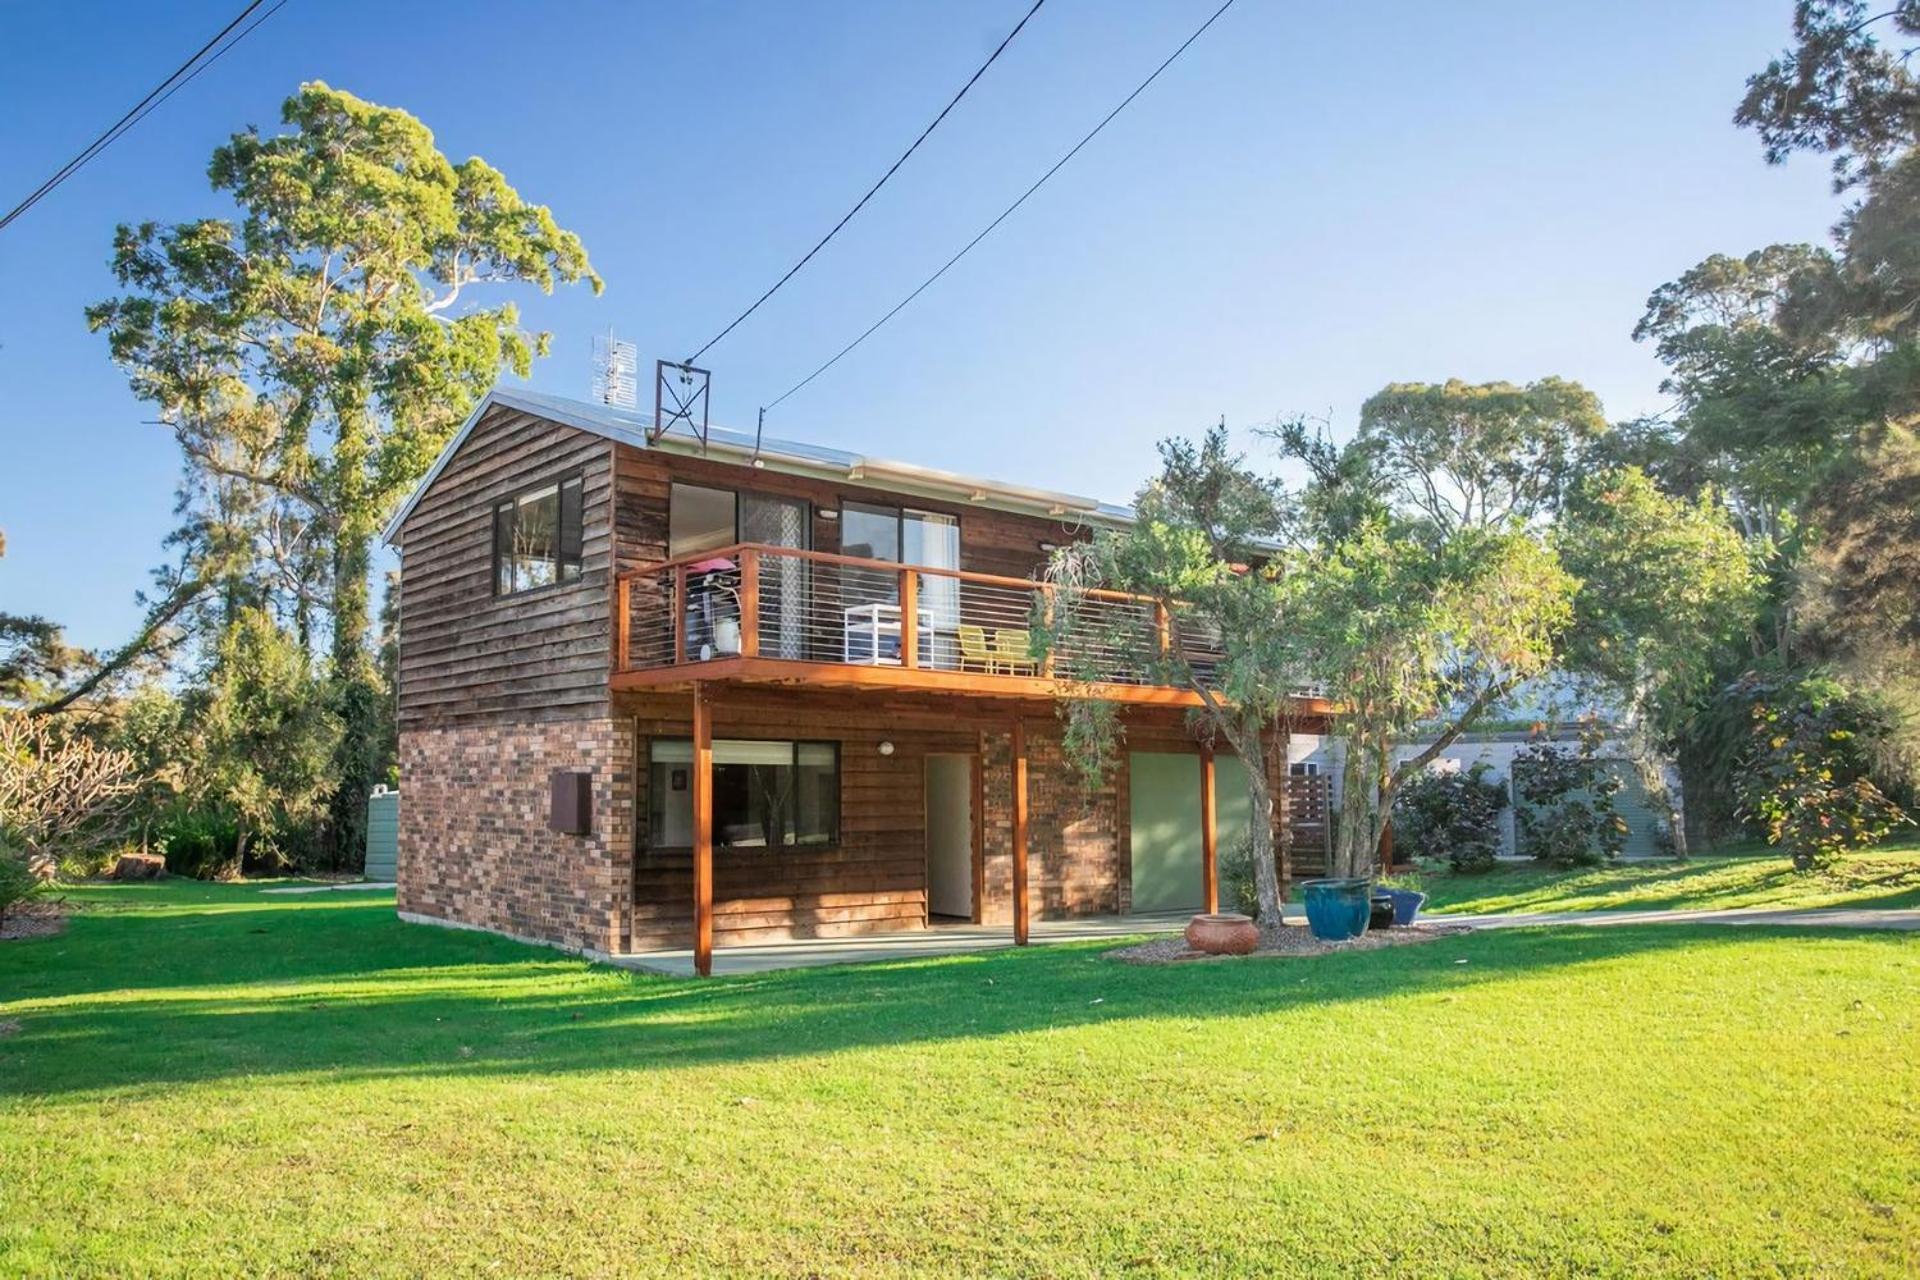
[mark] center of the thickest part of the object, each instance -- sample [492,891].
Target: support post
[622,623]
[1209,835]
[1019,832]
[702,831]
[909,619]
[679,614]
[749,603]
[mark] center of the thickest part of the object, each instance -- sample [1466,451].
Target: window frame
[834,833]
[514,498]
[900,512]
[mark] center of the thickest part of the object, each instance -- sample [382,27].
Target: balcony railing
[767,603]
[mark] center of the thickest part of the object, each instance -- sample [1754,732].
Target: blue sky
[1310,204]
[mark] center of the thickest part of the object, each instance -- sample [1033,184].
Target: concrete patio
[919,944]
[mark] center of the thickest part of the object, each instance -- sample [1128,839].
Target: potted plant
[1337,909]
[1406,895]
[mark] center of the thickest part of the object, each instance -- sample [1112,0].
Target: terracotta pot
[1227,934]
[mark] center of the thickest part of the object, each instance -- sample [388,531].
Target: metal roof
[630,427]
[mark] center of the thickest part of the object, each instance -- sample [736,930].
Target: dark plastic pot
[1337,909]
[1379,910]
[1406,905]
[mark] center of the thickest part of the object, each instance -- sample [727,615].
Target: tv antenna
[616,372]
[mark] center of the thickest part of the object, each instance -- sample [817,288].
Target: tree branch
[183,594]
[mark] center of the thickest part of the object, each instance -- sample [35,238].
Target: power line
[794,270]
[182,76]
[1008,212]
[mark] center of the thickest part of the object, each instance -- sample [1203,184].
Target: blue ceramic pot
[1406,905]
[1337,909]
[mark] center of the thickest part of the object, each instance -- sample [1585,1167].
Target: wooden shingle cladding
[991,540]
[467,655]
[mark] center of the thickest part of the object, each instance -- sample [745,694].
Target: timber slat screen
[758,602]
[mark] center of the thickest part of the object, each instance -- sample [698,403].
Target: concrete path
[1897,918]
[959,939]
[348,886]
[916,944]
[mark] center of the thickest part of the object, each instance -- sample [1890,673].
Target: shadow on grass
[133,1001]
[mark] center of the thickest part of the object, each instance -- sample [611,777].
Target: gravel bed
[33,920]
[1295,940]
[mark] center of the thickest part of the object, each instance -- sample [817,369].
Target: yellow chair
[1014,648]
[974,650]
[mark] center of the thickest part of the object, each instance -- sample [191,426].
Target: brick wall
[1077,856]
[475,848]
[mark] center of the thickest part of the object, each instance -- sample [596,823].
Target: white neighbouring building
[1646,821]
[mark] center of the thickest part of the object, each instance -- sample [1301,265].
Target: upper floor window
[1304,769]
[536,537]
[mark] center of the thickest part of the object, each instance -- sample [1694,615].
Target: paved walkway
[960,939]
[916,944]
[1897,918]
[345,886]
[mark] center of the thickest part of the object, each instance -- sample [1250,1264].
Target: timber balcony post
[750,603]
[679,614]
[702,797]
[909,618]
[1048,602]
[1209,834]
[1020,917]
[622,622]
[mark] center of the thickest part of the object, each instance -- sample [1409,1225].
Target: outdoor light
[886,748]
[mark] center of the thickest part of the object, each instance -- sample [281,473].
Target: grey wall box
[571,809]
[383,834]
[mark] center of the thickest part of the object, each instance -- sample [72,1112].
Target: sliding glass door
[779,522]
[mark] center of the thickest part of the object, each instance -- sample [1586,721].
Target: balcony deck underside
[837,675]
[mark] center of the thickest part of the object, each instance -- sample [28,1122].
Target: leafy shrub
[18,883]
[1238,892]
[1569,819]
[1806,774]
[1451,817]
[202,843]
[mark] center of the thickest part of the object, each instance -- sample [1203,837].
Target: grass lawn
[201,1079]
[1888,876]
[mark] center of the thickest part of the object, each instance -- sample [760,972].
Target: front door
[950,836]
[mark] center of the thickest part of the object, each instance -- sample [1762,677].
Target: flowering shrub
[1805,775]
[1569,819]
[1452,817]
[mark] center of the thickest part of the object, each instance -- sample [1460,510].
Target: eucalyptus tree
[1483,455]
[1205,549]
[322,345]
[1666,590]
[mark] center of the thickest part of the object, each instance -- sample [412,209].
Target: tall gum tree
[1205,550]
[344,302]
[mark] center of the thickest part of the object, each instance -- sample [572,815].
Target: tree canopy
[313,354]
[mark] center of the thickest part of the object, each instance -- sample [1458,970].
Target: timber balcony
[753,612]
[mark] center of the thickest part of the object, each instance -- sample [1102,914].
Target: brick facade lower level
[475,847]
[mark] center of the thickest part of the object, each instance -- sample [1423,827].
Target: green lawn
[199,1079]
[1888,876]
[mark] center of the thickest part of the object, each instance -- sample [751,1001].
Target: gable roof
[629,427]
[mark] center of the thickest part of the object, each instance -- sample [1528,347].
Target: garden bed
[1294,940]
[33,920]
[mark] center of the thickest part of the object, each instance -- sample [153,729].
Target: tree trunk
[356,698]
[1359,835]
[1283,751]
[1266,874]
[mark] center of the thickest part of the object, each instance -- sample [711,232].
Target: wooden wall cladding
[990,541]
[468,655]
